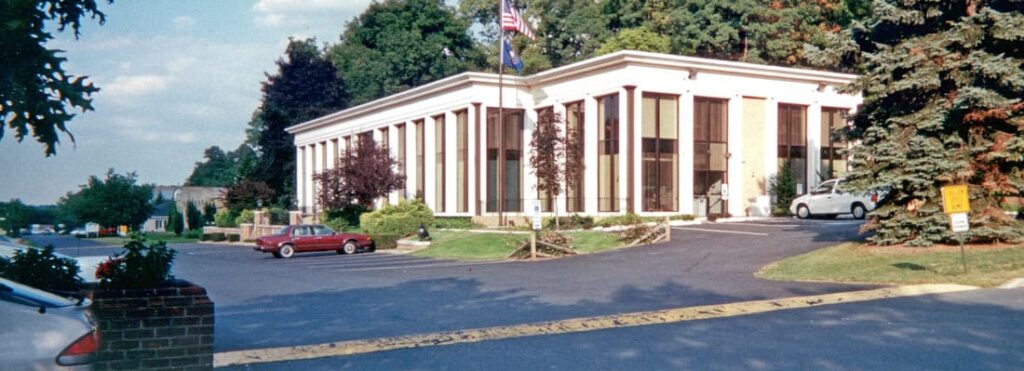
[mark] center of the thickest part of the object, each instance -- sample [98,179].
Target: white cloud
[131,86]
[183,22]
[162,136]
[302,13]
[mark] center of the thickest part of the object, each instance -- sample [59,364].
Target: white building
[663,134]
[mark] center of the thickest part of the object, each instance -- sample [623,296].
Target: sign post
[537,221]
[957,204]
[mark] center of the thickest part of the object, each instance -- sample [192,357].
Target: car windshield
[21,294]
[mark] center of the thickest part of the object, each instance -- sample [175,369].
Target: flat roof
[568,71]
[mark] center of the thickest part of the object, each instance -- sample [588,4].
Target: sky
[177,76]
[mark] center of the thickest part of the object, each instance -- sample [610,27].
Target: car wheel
[858,211]
[286,251]
[803,212]
[349,247]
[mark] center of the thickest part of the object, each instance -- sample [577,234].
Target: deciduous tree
[248,194]
[361,177]
[113,201]
[547,146]
[36,95]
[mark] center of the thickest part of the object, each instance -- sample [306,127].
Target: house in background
[163,196]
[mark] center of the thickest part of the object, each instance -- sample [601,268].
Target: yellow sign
[955,199]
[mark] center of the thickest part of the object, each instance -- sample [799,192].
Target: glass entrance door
[710,151]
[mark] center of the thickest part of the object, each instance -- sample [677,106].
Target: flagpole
[501,115]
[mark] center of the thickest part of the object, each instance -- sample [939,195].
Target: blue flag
[509,56]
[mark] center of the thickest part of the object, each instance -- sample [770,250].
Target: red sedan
[312,237]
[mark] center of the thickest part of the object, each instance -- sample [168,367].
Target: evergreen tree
[942,83]
[305,86]
[175,222]
[209,212]
[193,216]
[782,187]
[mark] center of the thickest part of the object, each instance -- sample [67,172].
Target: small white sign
[537,219]
[725,191]
[958,222]
[537,223]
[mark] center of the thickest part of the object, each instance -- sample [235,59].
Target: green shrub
[140,266]
[624,219]
[195,233]
[234,238]
[455,222]
[337,224]
[349,214]
[246,216]
[278,215]
[225,219]
[41,269]
[686,217]
[385,241]
[204,237]
[218,237]
[402,219]
[782,187]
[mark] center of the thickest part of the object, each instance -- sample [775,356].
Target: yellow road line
[342,348]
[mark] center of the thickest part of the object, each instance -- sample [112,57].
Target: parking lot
[319,297]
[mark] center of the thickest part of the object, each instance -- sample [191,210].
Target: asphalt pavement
[314,298]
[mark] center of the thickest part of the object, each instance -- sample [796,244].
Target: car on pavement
[312,237]
[831,199]
[87,265]
[43,331]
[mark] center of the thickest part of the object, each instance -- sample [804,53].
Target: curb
[1013,284]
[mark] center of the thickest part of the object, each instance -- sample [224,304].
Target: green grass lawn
[849,262]
[462,245]
[150,236]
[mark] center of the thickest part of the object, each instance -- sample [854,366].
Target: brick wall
[165,328]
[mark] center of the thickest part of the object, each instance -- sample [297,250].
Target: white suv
[830,199]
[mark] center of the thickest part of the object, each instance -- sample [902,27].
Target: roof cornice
[625,57]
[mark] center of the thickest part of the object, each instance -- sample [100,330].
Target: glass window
[710,148]
[321,230]
[608,153]
[504,153]
[574,139]
[421,174]
[384,140]
[793,142]
[659,122]
[439,164]
[833,147]
[301,231]
[401,160]
[462,167]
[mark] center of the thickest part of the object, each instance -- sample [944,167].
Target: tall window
[401,160]
[348,144]
[421,178]
[793,142]
[505,153]
[462,167]
[365,138]
[334,144]
[439,159]
[710,146]
[574,127]
[546,201]
[833,159]
[660,159]
[608,153]
[384,140]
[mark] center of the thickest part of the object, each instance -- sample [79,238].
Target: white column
[300,181]
[737,205]
[410,159]
[771,149]
[429,164]
[686,153]
[624,157]
[813,145]
[591,128]
[530,181]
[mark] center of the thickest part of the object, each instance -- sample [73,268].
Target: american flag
[512,21]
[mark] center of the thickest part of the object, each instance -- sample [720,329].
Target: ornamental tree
[548,148]
[361,176]
[942,83]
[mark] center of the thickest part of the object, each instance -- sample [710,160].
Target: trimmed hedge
[574,221]
[215,237]
[455,222]
[234,238]
[385,241]
[402,219]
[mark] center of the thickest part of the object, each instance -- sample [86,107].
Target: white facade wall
[684,77]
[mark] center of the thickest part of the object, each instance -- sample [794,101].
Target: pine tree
[193,216]
[174,220]
[942,83]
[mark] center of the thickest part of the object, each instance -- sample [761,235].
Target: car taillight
[874,197]
[82,351]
